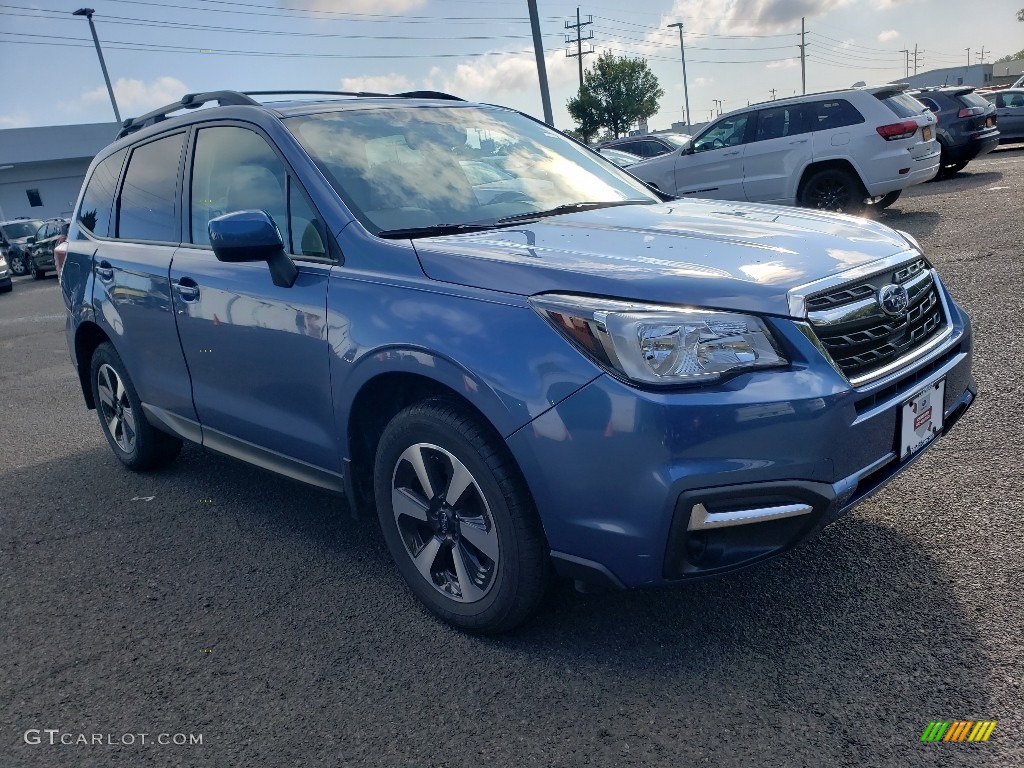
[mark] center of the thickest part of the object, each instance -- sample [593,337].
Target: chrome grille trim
[858,336]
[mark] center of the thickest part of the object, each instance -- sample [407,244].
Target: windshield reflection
[404,168]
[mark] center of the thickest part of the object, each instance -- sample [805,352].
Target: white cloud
[353,6]
[783,64]
[887,35]
[487,78]
[135,96]
[17,120]
[390,83]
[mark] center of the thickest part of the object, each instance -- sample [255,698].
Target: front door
[781,147]
[715,167]
[257,352]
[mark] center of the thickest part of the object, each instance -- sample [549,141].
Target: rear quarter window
[972,100]
[98,198]
[833,113]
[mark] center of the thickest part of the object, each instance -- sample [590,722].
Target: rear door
[1010,114]
[257,352]
[714,169]
[780,149]
[131,290]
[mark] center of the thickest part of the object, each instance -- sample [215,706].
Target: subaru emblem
[893,299]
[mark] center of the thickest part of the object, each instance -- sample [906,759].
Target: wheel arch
[840,163]
[88,336]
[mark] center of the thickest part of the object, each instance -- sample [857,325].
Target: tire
[118,407]
[37,274]
[952,169]
[887,200]
[487,582]
[7,288]
[833,189]
[18,264]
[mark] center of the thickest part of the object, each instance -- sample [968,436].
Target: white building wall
[58,183]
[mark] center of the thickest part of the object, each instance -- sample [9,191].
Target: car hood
[695,252]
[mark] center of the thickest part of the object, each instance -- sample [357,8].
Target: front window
[19,229]
[728,132]
[401,168]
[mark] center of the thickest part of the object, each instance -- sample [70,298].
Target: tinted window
[837,113]
[728,132]
[779,122]
[653,148]
[235,169]
[901,104]
[98,199]
[148,209]
[972,100]
[931,104]
[632,147]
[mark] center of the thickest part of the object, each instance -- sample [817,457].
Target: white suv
[837,150]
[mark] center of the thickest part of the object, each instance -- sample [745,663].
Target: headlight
[652,344]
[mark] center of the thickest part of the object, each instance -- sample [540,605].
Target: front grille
[860,336]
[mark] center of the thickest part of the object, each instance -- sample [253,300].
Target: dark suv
[967,125]
[14,242]
[39,247]
[568,374]
[649,145]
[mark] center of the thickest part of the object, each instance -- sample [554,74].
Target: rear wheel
[833,189]
[37,273]
[458,519]
[135,442]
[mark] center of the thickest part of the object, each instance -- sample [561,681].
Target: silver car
[1009,113]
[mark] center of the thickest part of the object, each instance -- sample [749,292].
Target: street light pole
[88,12]
[542,70]
[682,55]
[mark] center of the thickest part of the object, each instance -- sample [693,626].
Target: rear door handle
[104,271]
[188,289]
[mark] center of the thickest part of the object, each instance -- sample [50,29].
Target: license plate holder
[921,418]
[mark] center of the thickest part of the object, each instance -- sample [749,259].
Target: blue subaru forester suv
[526,360]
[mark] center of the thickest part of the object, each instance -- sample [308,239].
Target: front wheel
[18,263]
[135,442]
[458,518]
[833,189]
[886,200]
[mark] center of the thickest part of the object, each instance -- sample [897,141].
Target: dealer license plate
[927,133]
[921,419]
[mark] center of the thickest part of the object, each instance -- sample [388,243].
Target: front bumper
[633,466]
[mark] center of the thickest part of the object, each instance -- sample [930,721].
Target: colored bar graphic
[958,730]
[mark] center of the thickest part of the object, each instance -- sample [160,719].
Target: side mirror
[687,148]
[252,236]
[30,240]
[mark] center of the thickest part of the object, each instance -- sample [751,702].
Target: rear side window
[653,148]
[900,104]
[148,206]
[98,199]
[834,113]
[779,122]
[930,104]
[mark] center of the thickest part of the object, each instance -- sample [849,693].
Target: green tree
[585,109]
[617,92]
[1020,15]
[1012,57]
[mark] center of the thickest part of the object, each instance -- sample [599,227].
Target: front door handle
[730,154]
[104,271]
[798,141]
[188,289]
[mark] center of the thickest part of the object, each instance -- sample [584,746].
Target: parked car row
[840,150]
[27,244]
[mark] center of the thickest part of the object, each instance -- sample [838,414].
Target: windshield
[403,168]
[19,229]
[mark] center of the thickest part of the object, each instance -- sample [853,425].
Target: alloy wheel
[830,194]
[445,522]
[116,408]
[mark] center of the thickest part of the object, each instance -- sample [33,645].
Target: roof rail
[235,98]
[188,101]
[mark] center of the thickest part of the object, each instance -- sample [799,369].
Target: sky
[737,51]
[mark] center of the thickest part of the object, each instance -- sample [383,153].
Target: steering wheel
[717,143]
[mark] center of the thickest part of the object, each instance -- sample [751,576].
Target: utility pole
[773,92]
[968,56]
[542,70]
[981,56]
[906,51]
[580,53]
[915,59]
[718,106]
[803,56]
[682,55]
[88,12]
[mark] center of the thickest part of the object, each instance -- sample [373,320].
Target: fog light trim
[702,520]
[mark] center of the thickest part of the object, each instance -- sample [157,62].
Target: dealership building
[42,169]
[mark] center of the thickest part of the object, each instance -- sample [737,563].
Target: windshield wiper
[568,208]
[434,230]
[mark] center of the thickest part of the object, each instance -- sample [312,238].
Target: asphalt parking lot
[212,598]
